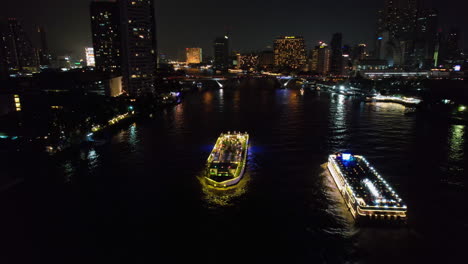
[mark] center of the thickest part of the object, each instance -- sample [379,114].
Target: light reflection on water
[338,121]
[387,106]
[456,154]
[223,197]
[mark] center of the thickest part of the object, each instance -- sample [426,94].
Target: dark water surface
[140,197]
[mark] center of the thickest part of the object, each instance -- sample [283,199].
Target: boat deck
[229,149]
[227,159]
[366,183]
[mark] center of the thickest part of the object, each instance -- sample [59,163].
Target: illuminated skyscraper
[139,46]
[90,59]
[406,34]
[248,61]
[320,59]
[105,24]
[194,55]
[221,53]
[324,56]
[124,42]
[290,52]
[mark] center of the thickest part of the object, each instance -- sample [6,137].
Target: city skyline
[194,23]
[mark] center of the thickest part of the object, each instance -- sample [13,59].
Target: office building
[290,52]
[124,40]
[407,34]
[221,53]
[19,55]
[194,55]
[139,46]
[44,55]
[266,60]
[3,59]
[336,57]
[359,53]
[90,59]
[320,59]
[248,61]
[106,35]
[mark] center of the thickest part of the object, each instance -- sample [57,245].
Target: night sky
[253,23]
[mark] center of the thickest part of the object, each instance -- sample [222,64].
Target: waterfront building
[290,52]
[124,40]
[79,82]
[221,53]
[194,55]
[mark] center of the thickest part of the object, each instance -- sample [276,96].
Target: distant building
[290,52]
[61,62]
[336,56]
[78,81]
[3,52]
[425,39]
[406,35]
[320,59]
[194,55]
[106,35]
[124,40]
[266,60]
[44,55]
[19,54]
[90,60]
[248,61]
[359,53]
[139,46]
[371,66]
[221,53]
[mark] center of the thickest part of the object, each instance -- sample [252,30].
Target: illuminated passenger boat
[226,163]
[365,192]
[394,99]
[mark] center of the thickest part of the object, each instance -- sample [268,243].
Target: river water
[140,198]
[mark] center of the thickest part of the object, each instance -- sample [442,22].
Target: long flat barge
[227,161]
[367,195]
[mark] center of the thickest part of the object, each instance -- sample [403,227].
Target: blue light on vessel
[346,156]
